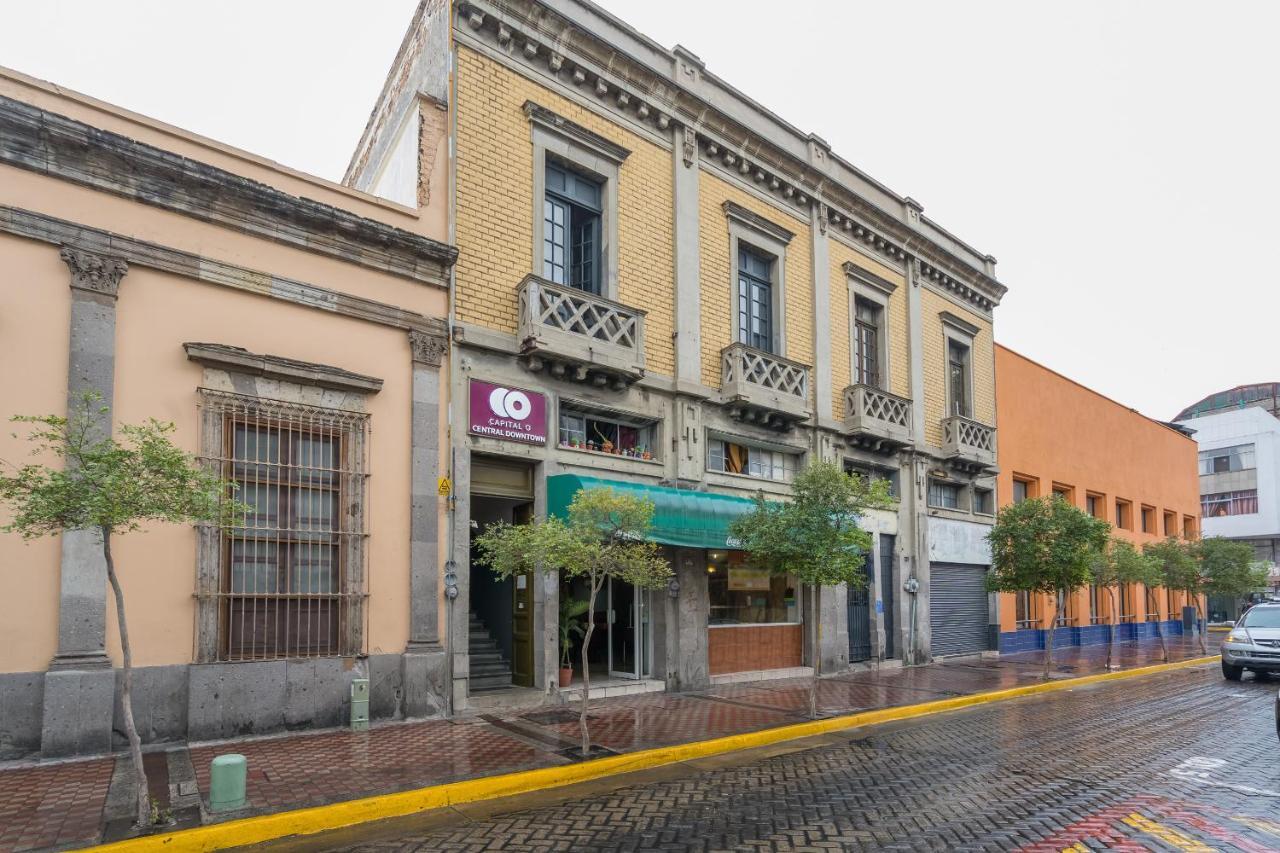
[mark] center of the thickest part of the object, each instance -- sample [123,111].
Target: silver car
[1254,642]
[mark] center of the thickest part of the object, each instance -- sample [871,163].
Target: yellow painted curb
[255,830]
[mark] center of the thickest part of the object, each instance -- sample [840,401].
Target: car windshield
[1262,617]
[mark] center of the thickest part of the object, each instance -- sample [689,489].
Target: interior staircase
[489,669]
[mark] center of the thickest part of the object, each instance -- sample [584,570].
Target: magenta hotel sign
[512,414]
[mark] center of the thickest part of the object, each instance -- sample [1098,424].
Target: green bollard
[226,782]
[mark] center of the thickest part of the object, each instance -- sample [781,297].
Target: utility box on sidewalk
[360,704]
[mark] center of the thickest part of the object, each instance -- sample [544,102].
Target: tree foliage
[1045,546]
[603,536]
[82,478]
[1124,564]
[815,536]
[1228,568]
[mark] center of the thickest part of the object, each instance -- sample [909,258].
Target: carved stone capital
[94,273]
[428,347]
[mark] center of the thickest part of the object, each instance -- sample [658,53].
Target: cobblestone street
[1180,761]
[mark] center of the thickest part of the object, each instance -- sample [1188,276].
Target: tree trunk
[816,633]
[1164,648]
[1200,624]
[1111,629]
[1048,637]
[586,669]
[143,795]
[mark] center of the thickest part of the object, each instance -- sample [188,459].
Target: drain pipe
[911,586]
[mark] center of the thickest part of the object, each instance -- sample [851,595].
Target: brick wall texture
[495,205]
[719,271]
[842,324]
[495,241]
[935,365]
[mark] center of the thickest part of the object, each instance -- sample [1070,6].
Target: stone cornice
[740,214]
[92,272]
[868,278]
[61,147]
[652,85]
[959,324]
[239,360]
[59,232]
[556,123]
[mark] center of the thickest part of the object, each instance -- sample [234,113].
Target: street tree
[815,538]
[85,479]
[603,536]
[1180,570]
[1229,568]
[1126,565]
[1045,546]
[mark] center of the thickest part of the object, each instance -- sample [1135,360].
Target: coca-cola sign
[511,414]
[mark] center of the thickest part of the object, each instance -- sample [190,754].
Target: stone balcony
[762,388]
[877,420]
[969,443]
[579,336]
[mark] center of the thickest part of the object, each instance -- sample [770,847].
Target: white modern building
[1240,479]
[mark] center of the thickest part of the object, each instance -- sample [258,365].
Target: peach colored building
[1139,474]
[294,332]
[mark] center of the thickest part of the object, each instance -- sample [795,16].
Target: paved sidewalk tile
[59,805]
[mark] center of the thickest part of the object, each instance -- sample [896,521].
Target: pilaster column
[688,258]
[79,688]
[82,613]
[425,663]
[823,373]
[429,349]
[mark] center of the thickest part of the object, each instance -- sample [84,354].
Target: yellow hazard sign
[445,487]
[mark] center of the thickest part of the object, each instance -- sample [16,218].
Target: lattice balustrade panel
[880,405]
[969,433]
[759,368]
[585,314]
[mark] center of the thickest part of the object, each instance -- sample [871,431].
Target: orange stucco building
[1140,475]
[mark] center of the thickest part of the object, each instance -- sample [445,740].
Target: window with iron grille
[1153,605]
[1026,609]
[1097,605]
[290,575]
[1126,603]
[944,495]
[1066,610]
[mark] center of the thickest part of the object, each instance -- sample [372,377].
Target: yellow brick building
[662,285]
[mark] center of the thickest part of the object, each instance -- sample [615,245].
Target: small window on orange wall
[1124,514]
[1148,519]
[1188,527]
[1170,523]
[1095,503]
[1067,493]
[1025,487]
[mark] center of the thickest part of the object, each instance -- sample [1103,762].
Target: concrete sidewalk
[75,803]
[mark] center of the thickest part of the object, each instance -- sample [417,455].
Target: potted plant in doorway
[571,610]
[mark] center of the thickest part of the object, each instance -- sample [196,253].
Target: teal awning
[683,518]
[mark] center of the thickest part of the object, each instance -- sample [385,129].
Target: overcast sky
[1118,158]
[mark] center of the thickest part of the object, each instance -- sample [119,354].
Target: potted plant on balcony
[644,452]
[571,610]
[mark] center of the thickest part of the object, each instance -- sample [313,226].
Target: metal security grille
[958,608]
[291,573]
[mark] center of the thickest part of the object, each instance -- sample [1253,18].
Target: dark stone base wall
[225,700]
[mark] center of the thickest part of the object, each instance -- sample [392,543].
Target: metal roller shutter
[958,608]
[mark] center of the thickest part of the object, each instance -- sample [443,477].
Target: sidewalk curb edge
[316,819]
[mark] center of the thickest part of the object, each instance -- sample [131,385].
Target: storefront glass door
[629,631]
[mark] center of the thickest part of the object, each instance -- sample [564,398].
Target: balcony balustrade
[969,443]
[578,335]
[762,388]
[876,419]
